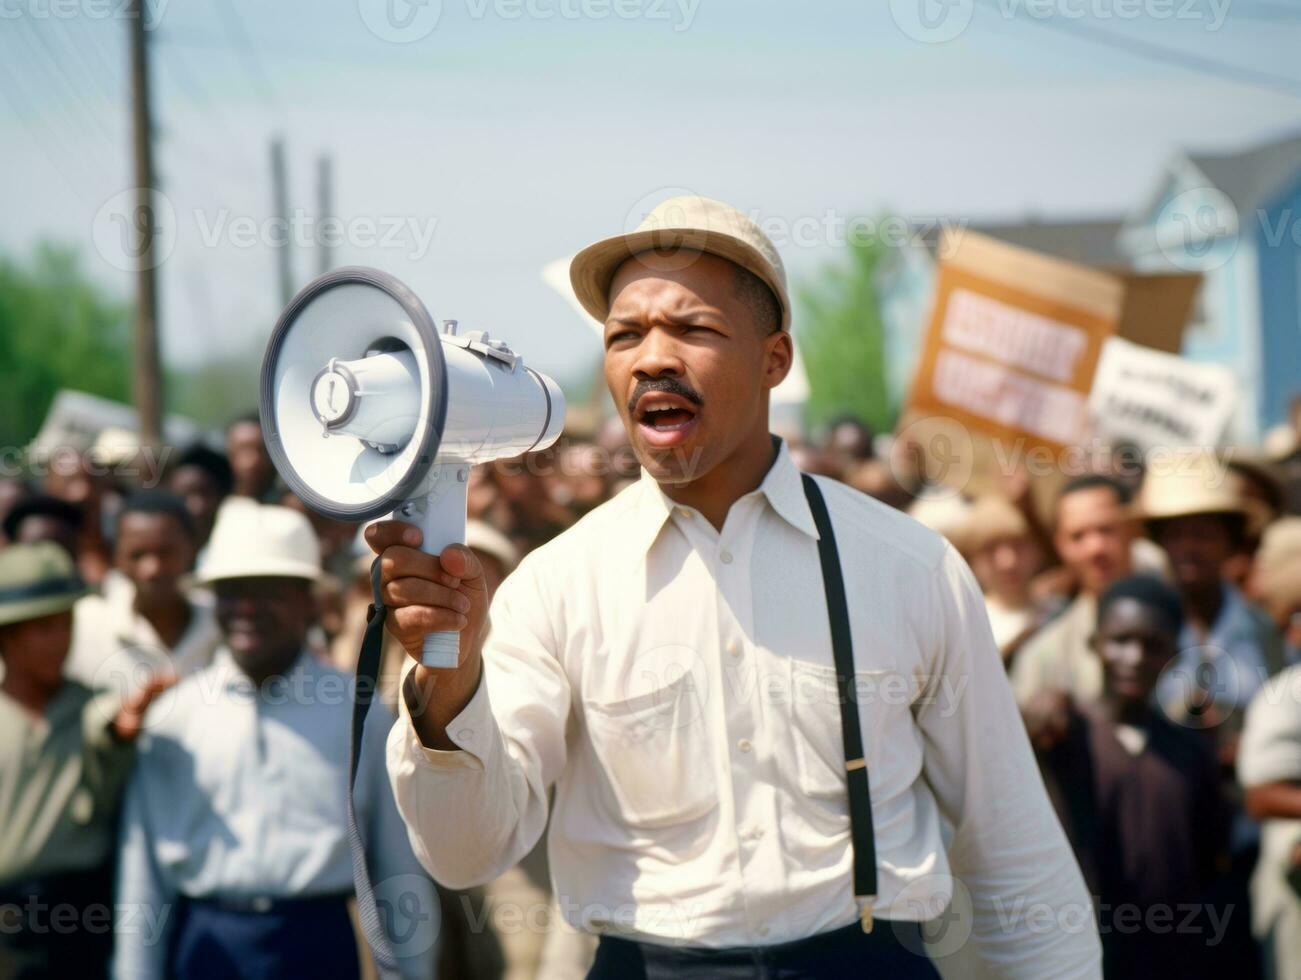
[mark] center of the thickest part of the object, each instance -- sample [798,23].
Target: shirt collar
[782,486]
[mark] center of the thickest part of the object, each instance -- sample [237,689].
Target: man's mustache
[670,386]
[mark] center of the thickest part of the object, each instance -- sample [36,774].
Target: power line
[189,86]
[239,38]
[1167,56]
[55,72]
[22,108]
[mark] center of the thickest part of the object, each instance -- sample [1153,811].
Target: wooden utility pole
[147,372]
[280,204]
[324,211]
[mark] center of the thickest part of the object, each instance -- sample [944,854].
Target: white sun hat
[251,540]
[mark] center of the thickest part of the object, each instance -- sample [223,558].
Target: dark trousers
[57,926]
[222,940]
[891,950]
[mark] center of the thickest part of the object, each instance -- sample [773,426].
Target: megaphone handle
[441,519]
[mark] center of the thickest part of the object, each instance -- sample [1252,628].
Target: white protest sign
[1150,398]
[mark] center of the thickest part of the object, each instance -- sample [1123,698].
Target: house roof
[1250,178]
[1092,241]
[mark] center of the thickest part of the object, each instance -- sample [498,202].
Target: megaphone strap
[372,645]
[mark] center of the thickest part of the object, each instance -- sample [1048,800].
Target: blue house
[1236,218]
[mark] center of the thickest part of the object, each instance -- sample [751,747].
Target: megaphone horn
[368,409]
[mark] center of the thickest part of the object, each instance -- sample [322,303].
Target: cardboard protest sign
[1014,340]
[1009,358]
[1150,398]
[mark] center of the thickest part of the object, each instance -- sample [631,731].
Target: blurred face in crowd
[1198,546]
[687,365]
[264,620]
[153,551]
[202,496]
[69,478]
[851,439]
[1093,536]
[1135,642]
[47,527]
[249,460]
[1005,566]
[34,650]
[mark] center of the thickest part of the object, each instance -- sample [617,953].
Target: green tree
[57,330]
[842,340]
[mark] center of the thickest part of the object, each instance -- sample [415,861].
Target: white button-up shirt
[676,685]
[241,793]
[115,648]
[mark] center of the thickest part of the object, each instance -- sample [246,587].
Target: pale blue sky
[512,141]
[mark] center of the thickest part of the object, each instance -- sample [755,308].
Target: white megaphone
[368,409]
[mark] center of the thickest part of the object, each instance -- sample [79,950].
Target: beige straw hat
[689,222]
[1186,485]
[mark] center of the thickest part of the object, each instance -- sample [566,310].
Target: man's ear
[779,354]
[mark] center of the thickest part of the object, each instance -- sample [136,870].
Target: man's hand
[130,718]
[428,594]
[1047,718]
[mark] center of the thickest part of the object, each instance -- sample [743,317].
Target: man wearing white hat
[236,814]
[759,696]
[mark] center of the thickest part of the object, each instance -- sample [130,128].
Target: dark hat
[36,580]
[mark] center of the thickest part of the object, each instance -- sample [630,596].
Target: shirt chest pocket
[654,752]
[815,716]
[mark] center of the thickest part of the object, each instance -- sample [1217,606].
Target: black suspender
[861,834]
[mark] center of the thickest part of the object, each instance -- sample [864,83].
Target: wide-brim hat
[688,223]
[36,580]
[252,540]
[1188,485]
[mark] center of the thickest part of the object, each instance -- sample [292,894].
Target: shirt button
[734,649]
[725,558]
[464,734]
[754,833]
[745,745]
[762,930]
[683,512]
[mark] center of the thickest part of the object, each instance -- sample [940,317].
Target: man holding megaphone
[775,720]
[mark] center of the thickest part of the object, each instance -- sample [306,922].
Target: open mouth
[664,418]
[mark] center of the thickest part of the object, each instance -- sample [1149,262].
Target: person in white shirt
[668,666]
[147,622]
[235,825]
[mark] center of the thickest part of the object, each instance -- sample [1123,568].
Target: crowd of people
[176,650]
